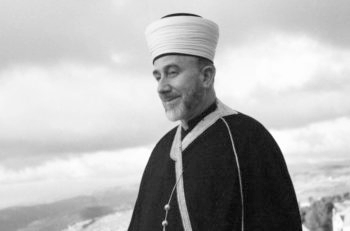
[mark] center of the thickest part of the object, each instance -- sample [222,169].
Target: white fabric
[183,34]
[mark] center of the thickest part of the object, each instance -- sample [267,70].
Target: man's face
[179,86]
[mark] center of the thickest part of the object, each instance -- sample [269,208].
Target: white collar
[204,124]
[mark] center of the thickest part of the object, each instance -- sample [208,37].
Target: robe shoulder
[253,138]
[155,187]
[269,194]
[211,182]
[161,150]
[159,156]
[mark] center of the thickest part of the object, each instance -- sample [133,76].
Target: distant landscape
[320,179]
[60,215]
[111,209]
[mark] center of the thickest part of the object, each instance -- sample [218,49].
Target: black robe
[211,182]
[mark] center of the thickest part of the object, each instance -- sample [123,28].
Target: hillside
[59,215]
[316,185]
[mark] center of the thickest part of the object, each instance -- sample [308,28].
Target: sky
[79,111]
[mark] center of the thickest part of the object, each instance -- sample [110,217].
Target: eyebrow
[167,67]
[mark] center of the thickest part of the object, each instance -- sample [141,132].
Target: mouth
[169,100]
[166,100]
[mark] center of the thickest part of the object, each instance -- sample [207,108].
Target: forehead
[178,60]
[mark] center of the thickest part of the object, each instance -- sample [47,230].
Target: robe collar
[193,122]
[208,120]
[179,146]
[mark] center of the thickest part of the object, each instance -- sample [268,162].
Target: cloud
[116,164]
[286,81]
[82,175]
[68,108]
[74,109]
[319,141]
[48,32]
[242,21]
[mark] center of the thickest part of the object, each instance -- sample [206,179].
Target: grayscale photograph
[125,115]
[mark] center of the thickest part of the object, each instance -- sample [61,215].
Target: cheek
[193,85]
[186,83]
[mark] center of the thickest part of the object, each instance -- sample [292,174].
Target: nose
[163,86]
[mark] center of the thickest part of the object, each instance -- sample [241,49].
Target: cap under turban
[184,34]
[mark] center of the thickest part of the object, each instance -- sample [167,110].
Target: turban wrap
[183,34]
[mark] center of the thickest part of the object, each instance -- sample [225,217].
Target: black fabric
[193,122]
[211,182]
[177,53]
[181,14]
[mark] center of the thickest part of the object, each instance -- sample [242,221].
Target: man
[219,169]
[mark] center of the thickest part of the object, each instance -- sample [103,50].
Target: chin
[175,114]
[172,116]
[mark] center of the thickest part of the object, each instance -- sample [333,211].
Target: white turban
[188,35]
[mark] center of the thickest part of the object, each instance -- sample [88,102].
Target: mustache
[168,96]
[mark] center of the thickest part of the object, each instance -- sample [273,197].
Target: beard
[185,107]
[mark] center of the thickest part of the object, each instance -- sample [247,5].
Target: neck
[202,108]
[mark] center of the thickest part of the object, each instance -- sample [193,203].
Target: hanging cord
[239,171]
[167,206]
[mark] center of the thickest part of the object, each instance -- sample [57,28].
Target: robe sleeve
[271,202]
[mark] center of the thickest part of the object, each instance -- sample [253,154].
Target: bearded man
[219,169]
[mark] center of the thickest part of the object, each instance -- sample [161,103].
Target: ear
[208,73]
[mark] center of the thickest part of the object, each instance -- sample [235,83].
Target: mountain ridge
[59,215]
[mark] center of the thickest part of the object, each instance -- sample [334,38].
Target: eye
[172,72]
[156,75]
